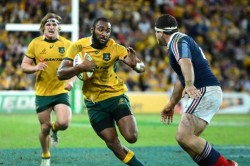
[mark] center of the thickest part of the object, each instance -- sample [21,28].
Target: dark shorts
[45,102]
[103,114]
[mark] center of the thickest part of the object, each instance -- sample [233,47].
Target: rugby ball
[78,60]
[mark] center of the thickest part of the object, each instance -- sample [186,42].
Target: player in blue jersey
[199,84]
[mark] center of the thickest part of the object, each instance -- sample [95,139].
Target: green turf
[21,131]
[156,146]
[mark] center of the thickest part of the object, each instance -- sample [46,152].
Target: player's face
[159,36]
[51,30]
[101,33]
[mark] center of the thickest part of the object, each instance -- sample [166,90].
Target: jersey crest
[106,56]
[61,50]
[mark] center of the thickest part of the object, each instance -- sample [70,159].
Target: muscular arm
[132,61]
[187,71]
[29,67]
[177,94]
[138,67]
[66,70]
[168,111]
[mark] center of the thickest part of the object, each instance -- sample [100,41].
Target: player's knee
[180,138]
[45,129]
[63,125]
[131,138]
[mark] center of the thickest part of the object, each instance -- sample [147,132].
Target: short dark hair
[99,19]
[167,24]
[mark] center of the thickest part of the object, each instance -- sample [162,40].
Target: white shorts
[207,105]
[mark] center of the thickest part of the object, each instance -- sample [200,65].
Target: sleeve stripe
[174,46]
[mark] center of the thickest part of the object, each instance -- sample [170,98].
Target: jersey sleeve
[183,50]
[30,52]
[180,48]
[121,52]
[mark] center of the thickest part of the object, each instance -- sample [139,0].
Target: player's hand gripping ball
[78,60]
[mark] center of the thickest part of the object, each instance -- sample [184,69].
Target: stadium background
[221,28]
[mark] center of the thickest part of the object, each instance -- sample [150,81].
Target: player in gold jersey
[104,91]
[43,57]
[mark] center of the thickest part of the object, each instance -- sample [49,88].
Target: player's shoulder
[63,39]
[111,42]
[179,37]
[37,39]
[86,41]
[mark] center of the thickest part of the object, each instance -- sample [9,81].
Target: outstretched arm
[132,61]
[168,111]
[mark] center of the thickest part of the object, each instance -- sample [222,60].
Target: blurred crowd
[220,27]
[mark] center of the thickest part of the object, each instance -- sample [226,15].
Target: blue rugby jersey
[180,46]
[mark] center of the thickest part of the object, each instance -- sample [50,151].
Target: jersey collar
[171,37]
[50,41]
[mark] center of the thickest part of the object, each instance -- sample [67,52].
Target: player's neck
[50,39]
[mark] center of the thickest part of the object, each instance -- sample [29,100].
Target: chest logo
[61,50]
[106,56]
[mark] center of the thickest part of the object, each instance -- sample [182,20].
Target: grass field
[156,145]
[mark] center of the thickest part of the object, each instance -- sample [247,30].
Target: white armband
[139,66]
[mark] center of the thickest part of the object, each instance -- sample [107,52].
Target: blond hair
[45,18]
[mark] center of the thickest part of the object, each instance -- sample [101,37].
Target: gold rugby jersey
[51,52]
[104,82]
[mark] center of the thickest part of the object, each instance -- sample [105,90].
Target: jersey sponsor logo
[17,102]
[106,56]
[51,46]
[61,50]
[52,59]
